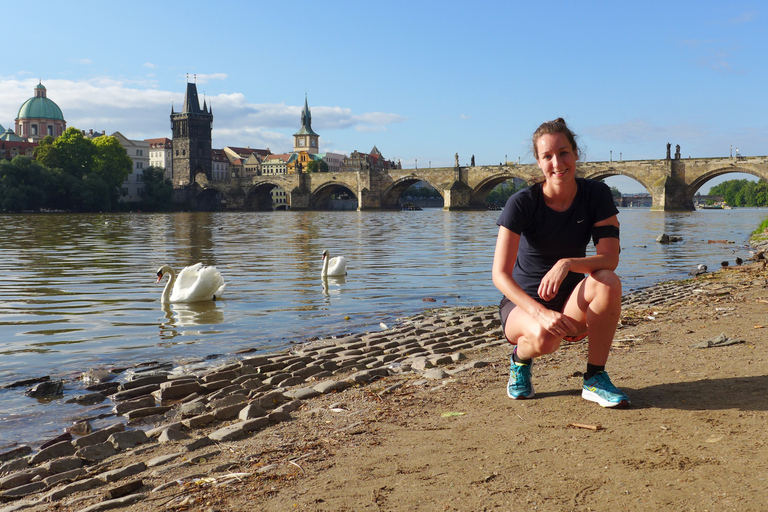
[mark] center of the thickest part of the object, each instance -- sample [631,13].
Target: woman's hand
[552,280]
[555,322]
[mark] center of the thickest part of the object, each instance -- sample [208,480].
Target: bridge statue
[457,159]
[669,149]
[677,152]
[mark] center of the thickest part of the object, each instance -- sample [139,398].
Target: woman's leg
[532,340]
[595,307]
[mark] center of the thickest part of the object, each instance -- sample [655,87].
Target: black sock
[520,361]
[592,369]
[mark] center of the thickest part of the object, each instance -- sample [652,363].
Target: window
[50,130]
[139,165]
[140,152]
[34,129]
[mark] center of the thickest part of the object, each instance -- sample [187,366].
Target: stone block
[82,485]
[63,464]
[198,421]
[251,411]
[228,412]
[270,400]
[62,449]
[15,453]
[120,473]
[66,476]
[96,452]
[22,477]
[98,437]
[129,439]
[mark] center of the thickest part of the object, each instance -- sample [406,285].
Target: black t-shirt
[547,236]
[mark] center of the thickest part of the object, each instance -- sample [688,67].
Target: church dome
[40,107]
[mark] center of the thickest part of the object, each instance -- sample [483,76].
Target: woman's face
[556,159]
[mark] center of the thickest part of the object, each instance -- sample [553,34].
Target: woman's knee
[605,283]
[543,342]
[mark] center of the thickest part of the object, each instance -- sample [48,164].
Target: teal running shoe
[600,389]
[519,386]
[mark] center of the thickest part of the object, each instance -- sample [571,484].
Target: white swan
[333,266]
[194,284]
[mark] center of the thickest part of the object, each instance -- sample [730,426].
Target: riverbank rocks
[237,399]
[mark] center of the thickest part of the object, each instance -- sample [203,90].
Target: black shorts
[558,304]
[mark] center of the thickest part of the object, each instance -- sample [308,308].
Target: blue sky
[420,80]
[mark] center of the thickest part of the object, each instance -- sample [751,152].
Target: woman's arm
[504,259]
[606,257]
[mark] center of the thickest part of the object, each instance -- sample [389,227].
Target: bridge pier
[670,192]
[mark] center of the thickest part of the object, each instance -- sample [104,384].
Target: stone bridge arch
[390,197]
[483,188]
[321,195]
[702,179]
[607,173]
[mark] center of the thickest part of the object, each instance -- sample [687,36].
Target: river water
[78,290]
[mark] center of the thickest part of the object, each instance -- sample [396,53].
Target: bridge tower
[191,154]
[305,139]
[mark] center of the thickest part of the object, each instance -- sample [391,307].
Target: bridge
[672,183]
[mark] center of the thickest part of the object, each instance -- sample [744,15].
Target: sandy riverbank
[694,438]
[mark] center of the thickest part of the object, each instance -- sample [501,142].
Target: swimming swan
[333,267]
[194,284]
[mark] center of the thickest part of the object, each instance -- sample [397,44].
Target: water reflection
[186,315]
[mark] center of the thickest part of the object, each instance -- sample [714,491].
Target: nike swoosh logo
[580,221]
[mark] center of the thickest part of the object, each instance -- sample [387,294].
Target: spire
[306,120]
[306,115]
[191,102]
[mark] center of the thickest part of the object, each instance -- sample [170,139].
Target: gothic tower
[191,139]
[305,139]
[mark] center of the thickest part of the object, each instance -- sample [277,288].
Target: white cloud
[139,109]
[205,79]
[86,62]
[150,65]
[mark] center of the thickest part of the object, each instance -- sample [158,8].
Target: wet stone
[140,381]
[136,403]
[13,465]
[15,453]
[135,392]
[88,399]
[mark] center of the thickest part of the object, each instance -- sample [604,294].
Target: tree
[312,166]
[615,193]
[112,164]
[158,191]
[71,152]
[23,184]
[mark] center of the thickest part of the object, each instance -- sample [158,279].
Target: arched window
[34,129]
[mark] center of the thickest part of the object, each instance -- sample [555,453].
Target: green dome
[40,107]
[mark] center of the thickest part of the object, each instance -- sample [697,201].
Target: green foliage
[312,166]
[421,190]
[742,192]
[73,173]
[615,193]
[761,233]
[22,185]
[158,191]
[502,192]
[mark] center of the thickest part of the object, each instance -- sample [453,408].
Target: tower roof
[40,107]
[8,135]
[306,121]
[192,102]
